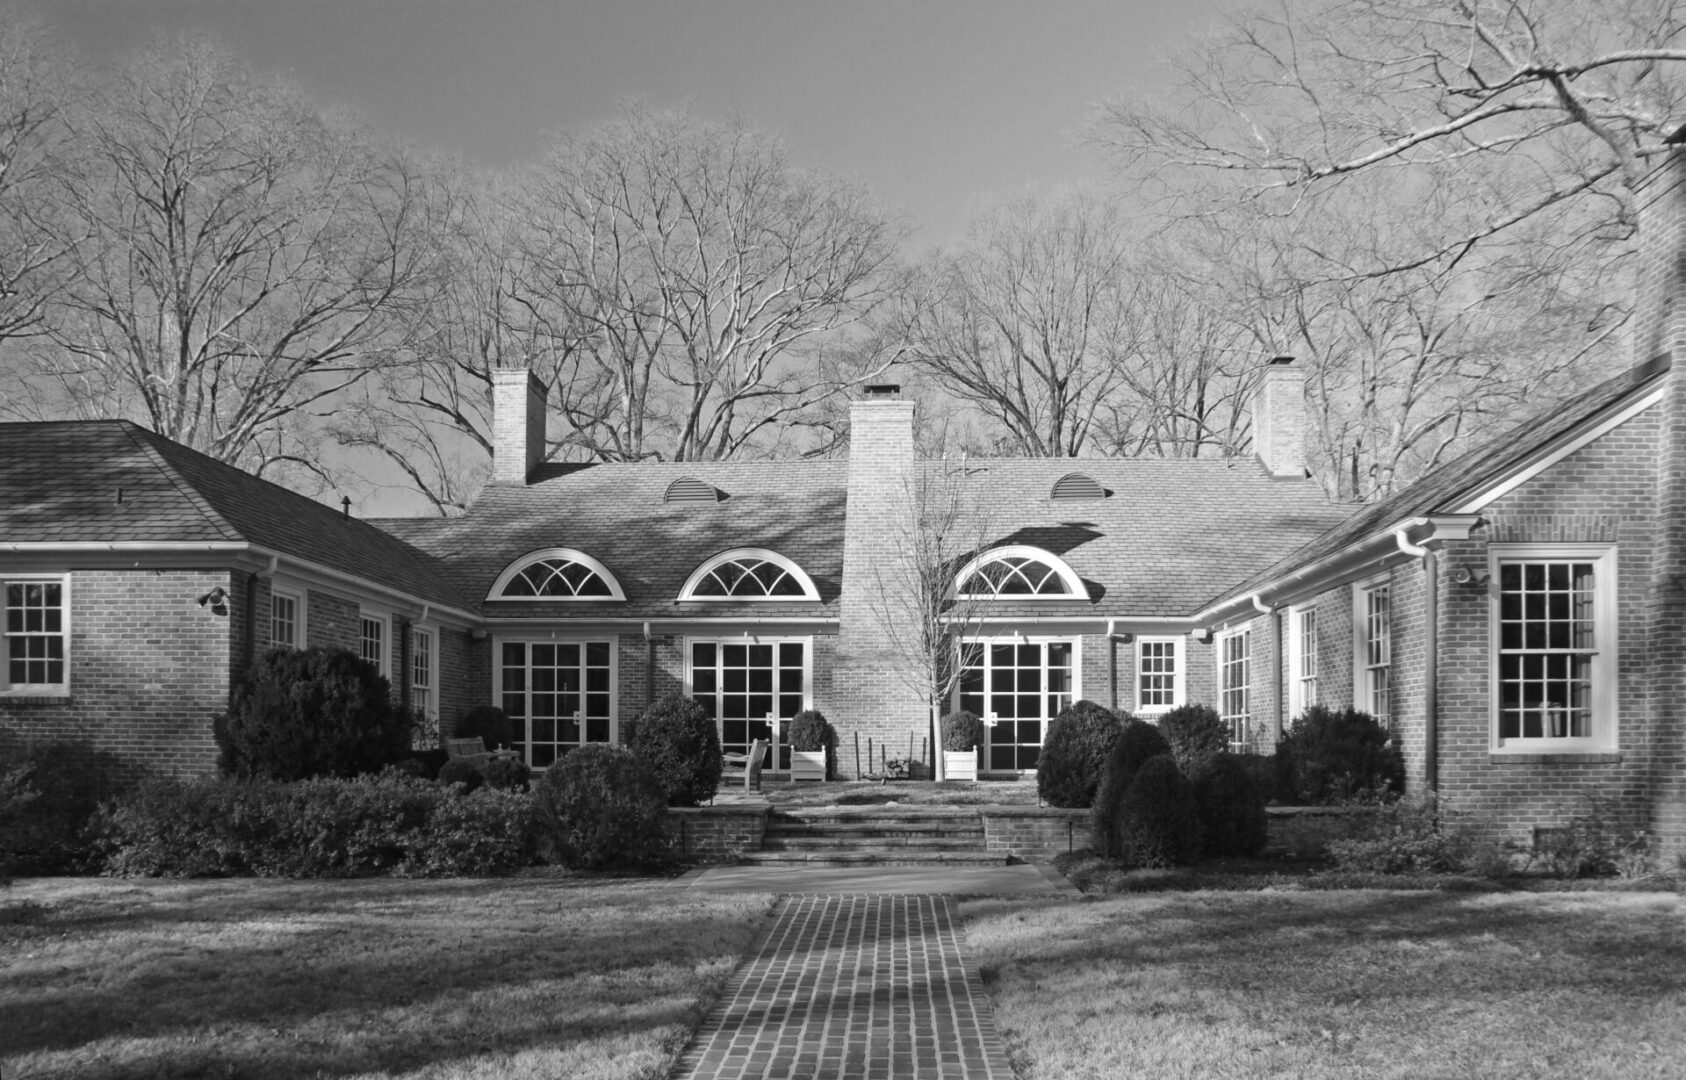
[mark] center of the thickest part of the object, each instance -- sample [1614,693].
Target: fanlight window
[1020,573]
[556,574]
[749,575]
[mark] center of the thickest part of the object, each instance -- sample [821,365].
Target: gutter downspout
[1275,661]
[1431,662]
[1112,660]
[649,667]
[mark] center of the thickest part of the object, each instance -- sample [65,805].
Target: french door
[1016,686]
[559,694]
[749,687]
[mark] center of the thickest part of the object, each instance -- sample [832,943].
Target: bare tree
[1030,319]
[244,261]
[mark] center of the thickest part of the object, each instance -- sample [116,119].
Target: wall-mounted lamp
[217,600]
[1201,637]
[1463,575]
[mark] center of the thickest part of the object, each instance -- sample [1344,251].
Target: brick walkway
[868,987]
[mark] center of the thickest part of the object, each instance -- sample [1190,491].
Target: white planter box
[960,764]
[807,764]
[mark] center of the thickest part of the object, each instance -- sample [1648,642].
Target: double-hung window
[37,636]
[1302,660]
[372,639]
[286,620]
[423,663]
[1159,674]
[1554,647]
[1235,683]
[1372,618]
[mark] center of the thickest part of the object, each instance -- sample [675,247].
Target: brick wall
[714,834]
[332,621]
[149,668]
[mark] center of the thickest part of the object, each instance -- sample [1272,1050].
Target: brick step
[879,828]
[812,819]
[854,843]
[896,857]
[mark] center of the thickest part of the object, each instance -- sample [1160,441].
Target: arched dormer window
[1019,573]
[749,574]
[556,574]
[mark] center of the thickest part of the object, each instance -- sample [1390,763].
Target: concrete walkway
[875,987]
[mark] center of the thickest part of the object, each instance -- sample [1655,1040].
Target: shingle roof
[59,483]
[1457,480]
[1167,530]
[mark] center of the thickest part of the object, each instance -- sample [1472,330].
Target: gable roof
[59,484]
[1445,489]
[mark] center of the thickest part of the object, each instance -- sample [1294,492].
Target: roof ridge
[179,482]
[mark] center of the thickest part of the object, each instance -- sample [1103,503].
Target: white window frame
[1303,661]
[1366,677]
[529,640]
[58,689]
[1179,654]
[809,591]
[384,620]
[806,641]
[1605,727]
[561,554]
[297,596]
[1238,722]
[987,715]
[1073,582]
[431,653]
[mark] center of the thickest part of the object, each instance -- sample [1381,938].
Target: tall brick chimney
[873,681]
[517,425]
[1660,338]
[1279,419]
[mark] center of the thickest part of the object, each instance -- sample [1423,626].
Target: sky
[933,104]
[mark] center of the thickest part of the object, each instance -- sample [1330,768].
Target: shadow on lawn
[343,977]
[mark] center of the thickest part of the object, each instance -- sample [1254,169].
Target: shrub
[600,806]
[962,731]
[1333,756]
[1229,804]
[1157,825]
[1080,738]
[324,827]
[507,774]
[1411,836]
[810,731]
[1192,732]
[1592,844]
[462,771]
[491,723]
[311,712]
[1137,742]
[677,739]
[46,832]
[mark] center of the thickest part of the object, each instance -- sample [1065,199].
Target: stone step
[877,828]
[853,843]
[811,819]
[888,857]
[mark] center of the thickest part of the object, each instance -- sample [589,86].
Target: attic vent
[688,489]
[1077,486]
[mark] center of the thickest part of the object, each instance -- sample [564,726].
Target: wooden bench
[749,765]
[473,751]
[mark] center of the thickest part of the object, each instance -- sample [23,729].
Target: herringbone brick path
[847,987]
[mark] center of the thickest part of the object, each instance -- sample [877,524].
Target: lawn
[527,977]
[1348,984]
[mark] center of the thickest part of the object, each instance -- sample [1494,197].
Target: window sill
[1567,758]
[10,698]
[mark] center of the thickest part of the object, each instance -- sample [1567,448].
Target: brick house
[1517,617]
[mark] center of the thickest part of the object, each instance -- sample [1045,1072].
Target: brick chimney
[517,425]
[871,683]
[1279,419]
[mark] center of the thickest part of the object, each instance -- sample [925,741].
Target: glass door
[1016,686]
[750,686]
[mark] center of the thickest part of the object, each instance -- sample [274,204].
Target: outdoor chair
[748,765]
[473,751]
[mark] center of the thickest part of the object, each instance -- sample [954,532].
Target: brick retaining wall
[712,834]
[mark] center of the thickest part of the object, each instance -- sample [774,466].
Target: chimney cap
[884,390]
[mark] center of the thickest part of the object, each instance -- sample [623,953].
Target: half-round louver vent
[1078,486]
[688,489]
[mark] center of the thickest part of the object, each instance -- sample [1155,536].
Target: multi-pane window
[1017,687]
[1235,680]
[558,694]
[1375,648]
[749,577]
[421,671]
[556,574]
[749,687]
[35,633]
[1015,576]
[1550,645]
[1158,675]
[283,621]
[371,641]
[1302,660]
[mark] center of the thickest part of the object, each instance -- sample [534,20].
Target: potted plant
[962,733]
[811,737]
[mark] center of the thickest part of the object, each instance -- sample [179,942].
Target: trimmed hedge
[1157,824]
[1229,804]
[1137,743]
[311,712]
[1073,759]
[962,731]
[321,828]
[51,792]
[601,806]
[676,737]
[1193,732]
[1332,756]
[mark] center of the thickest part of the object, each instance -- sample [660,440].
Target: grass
[1352,984]
[900,792]
[527,977]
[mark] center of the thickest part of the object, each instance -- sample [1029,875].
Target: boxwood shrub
[1073,758]
[1137,742]
[1192,732]
[1157,824]
[601,806]
[1332,756]
[676,737]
